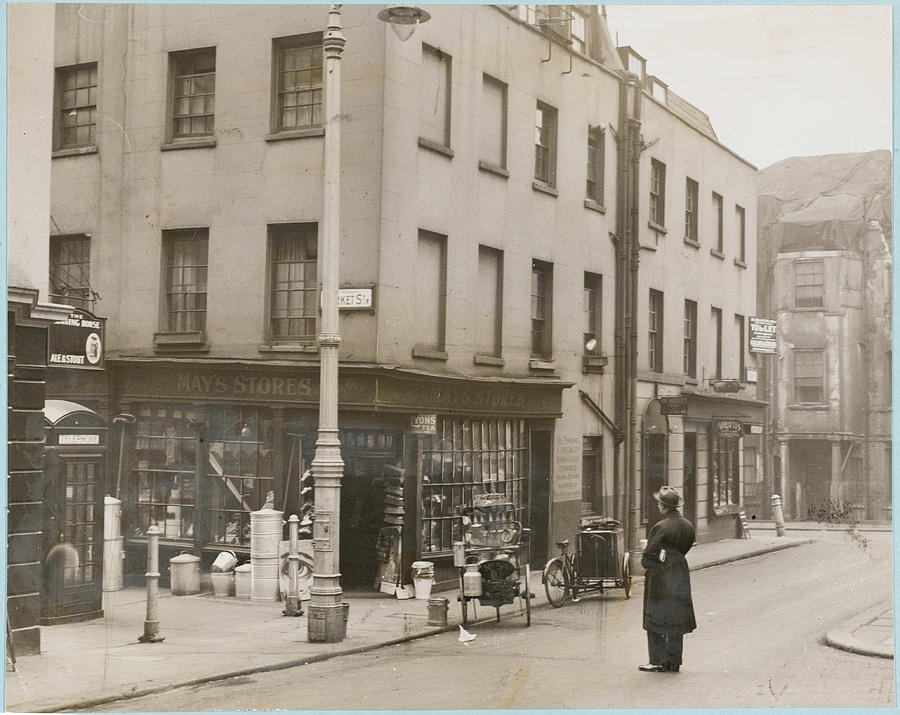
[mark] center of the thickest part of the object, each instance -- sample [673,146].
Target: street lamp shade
[403,19]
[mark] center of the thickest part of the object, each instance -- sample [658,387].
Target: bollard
[151,625]
[292,600]
[778,515]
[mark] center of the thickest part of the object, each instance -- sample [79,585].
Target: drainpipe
[620,352]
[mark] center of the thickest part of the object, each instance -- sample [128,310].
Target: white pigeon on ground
[465,636]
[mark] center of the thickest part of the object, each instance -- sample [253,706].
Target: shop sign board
[763,333]
[77,341]
[354,298]
[673,405]
[730,428]
[424,424]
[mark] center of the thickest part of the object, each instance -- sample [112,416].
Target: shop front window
[725,478]
[165,471]
[238,470]
[466,458]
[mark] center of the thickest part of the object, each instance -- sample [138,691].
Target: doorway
[655,469]
[690,476]
[539,512]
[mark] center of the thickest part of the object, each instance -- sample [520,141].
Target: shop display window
[238,471]
[165,471]
[725,473]
[465,458]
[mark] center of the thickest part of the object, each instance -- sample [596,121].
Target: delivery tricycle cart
[493,558]
[600,562]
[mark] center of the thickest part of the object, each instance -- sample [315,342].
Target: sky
[776,81]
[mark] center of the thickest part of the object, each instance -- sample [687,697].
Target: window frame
[691,210]
[592,310]
[63,244]
[596,164]
[717,329]
[545,145]
[719,212]
[432,349]
[741,323]
[655,330]
[821,377]
[541,347]
[59,91]
[690,338]
[742,232]
[446,62]
[306,233]
[497,349]
[280,47]
[170,237]
[175,73]
[819,286]
[487,79]
[657,206]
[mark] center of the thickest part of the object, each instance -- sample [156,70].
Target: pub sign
[78,341]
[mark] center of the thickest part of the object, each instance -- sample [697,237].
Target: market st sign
[77,342]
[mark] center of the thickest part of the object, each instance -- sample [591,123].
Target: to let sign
[77,341]
[762,335]
[424,424]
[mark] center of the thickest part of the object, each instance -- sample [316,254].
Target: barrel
[184,571]
[242,581]
[265,538]
[264,579]
[113,545]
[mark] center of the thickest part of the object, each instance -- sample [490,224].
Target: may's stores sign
[77,341]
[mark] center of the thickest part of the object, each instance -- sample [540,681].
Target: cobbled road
[759,643]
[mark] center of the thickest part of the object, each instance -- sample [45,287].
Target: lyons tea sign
[78,341]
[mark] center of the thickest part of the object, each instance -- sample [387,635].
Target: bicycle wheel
[556,582]
[626,574]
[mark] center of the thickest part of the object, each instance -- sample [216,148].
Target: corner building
[478,248]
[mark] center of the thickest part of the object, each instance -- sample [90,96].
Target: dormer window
[658,88]
[633,62]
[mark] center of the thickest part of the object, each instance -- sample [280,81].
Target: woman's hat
[667,496]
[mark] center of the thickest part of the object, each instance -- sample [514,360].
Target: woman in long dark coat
[668,607]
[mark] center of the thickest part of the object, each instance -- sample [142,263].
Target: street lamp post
[327,613]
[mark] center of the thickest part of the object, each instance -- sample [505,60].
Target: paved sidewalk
[869,633]
[208,638]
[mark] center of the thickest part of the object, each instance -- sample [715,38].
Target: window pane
[294,284]
[76,97]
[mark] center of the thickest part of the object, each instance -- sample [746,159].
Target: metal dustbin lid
[243,568]
[184,559]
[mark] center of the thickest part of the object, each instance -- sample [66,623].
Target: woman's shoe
[669,668]
[651,668]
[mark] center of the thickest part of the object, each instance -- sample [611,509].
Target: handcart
[600,562]
[493,559]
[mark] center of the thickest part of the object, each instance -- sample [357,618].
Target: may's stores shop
[209,444]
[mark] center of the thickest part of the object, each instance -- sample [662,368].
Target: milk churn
[472,580]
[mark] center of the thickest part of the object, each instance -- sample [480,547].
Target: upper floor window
[434,124]
[293,281]
[492,147]
[186,263]
[716,315]
[193,92]
[690,338]
[809,376]
[719,215]
[545,126]
[809,283]
[490,301]
[70,271]
[76,106]
[596,151]
[657,192]
[431,290]
[742,233]
[691,210]
[655,332]
[578,33]
[298,82]
[739,324]
[593,302]
[541,309]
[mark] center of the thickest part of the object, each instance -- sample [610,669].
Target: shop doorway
[655,459]
[811,467]
[539,519]
[690,476]
[74,477]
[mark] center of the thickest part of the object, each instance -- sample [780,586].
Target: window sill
[180,341]
[690,380]
[488,360]
[493,169]
[691,242]
[74,151]
[437,148]
[739,263]
[718,254]
[543,365]
[544,188]
[296,134]
[429,354]
[647,247]
[175,144]
[809,406]
[288,348]
[656,227]
[594,206]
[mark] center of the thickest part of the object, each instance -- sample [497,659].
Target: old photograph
[448,357]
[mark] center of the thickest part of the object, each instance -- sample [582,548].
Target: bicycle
[594,567]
